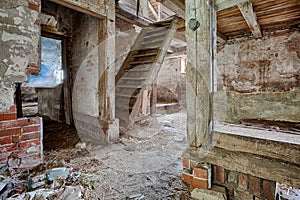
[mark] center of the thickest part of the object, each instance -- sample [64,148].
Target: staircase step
[160,34]
[125,95]
[138,70]
[160,40]
[133,79]
[153,31]
[145,55]
[141,62]
[129,86]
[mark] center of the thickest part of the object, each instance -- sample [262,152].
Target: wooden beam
[84,7]
[247,11]
[258,166]
[176,6]
[221,38]
[199,75]
[223,4]
[153,11]
[144,8]
[260,147]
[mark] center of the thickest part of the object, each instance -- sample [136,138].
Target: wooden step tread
[137,70]
[133,78]
[158,41]
[129,86]
[125,95]
[145,55]
[141,62]
[154,35]
[155,31]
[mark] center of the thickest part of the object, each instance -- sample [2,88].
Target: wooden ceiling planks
[231,22]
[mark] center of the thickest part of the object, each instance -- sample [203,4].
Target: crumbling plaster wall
[270,64]
[259,79]
[61,19]
[19,43]
[171,82]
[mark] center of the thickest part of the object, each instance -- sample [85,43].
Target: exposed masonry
[237,186]
[20,30]
[21,140]
[270,64]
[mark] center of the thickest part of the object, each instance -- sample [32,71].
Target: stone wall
[20,30]
[171,82]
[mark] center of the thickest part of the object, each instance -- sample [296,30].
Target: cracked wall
[20,34]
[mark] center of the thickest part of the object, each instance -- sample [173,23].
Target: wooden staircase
[139,71]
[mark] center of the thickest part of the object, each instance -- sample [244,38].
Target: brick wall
[21,140]
[238,186]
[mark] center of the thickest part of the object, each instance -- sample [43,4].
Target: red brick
[219,174]
[187,178]
[30,136]
[254,185]
[8,116]
[9,148]
[199,183]
[193,164]
[269,189]
[16,138]
[243,182]
[186,163]
[31,71]
[34,120]
[13,109]
[34,7]
[13,123]
[28,144]
[28,129]
[6,140]
[200,173]
[9,132]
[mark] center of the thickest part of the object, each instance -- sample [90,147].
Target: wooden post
[200,73]
[153,99]
[106,61]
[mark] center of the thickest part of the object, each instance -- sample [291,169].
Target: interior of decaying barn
[150,99]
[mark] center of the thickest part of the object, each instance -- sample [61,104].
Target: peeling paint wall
[271,64]
[259,79]
[19,43]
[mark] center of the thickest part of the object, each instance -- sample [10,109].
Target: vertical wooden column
[153,99]
[200,64]
[107,68]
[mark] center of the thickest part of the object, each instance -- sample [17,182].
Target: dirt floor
[144,164]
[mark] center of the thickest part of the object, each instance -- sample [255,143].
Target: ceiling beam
[247,11]
[223,4]
[221,38]
[175,6]
[83,7]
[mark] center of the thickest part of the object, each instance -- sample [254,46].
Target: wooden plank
[199,71]
[224,4]
[145,102]
[261,147]
[247,11]
[258,166]
[153,99]
[176,6]
[84,7]
[221,38]
[153,11]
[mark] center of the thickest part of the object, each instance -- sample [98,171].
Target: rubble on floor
[144,164]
